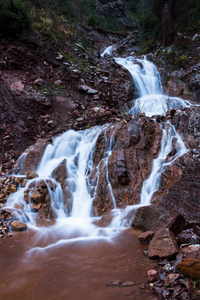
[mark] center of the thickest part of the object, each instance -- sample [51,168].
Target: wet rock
[17,180]
[60,173]
[146,237]
[3,229]
[42,184]
[35,206]
[18,226]
[26,197]
[46,212]
[29,161]
[121,168]
[152,275]
[171,278]
[37,197]
[119,283]
[184,196]
[24,182]
[19,206]
[190,267]
[31,175]
[151,218]
[163,244]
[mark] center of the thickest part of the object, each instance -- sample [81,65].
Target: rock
[46,212]
[38,81]
[183,197]
[37,197]
[152,275]
[17,180]
[13,188]
[177,224]
[3,228]
[85,88]
[19,206]
[171,278]
[24,182]
[31,175]
[196,229]
[57,82]
[60,173]
[187,237]
[163,244]
[66,102]
[26,197]
[42,184]
[30,159]
[120,283]
[190,267]
[146,237]
[75,74]
[151,218]
[35,206]
[18,226]
[59,56]
[192,251]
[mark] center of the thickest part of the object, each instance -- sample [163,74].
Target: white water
[108,51]
[151,99]
[76,150]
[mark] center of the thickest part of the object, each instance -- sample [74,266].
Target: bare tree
[165,10]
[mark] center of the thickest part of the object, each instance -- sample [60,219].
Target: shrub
[14,16]
[91,20]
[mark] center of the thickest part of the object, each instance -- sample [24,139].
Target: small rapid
[75,219]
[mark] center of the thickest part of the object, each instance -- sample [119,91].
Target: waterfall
[151,99]
[76,149]
[151,184]
[108,51]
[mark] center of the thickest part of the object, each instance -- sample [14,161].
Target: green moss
[182,61]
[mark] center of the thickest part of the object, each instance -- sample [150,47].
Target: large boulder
[31,158]
[163,244]
[151,217]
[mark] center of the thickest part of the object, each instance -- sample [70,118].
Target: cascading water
[151,99]
[108,51]
[75,150]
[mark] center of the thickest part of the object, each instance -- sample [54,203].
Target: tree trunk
[165,9]
[11,3]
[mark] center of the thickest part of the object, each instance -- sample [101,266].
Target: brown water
[76,271]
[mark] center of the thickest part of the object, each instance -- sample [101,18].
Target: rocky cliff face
[136,143]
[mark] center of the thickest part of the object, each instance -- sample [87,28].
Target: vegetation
[46,16]
[15,16]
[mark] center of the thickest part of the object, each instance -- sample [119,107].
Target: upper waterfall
[151,100]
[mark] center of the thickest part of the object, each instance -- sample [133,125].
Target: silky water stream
[75,258]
